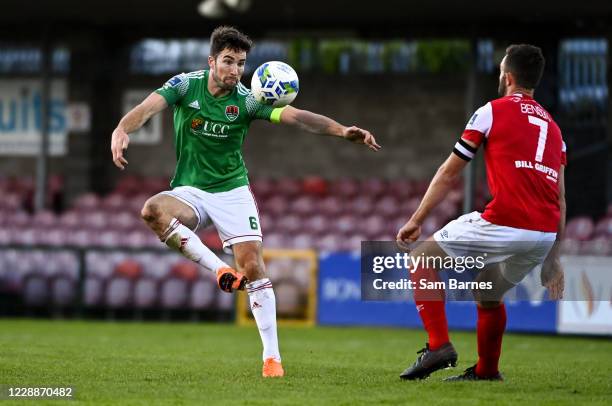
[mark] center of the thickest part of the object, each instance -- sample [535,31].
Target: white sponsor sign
[21,118]
[588,278]
[151,132]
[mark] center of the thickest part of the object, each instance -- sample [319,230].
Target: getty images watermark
[410,263]
[483,270]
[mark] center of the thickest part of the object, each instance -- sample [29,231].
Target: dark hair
[228,37]
[526,63]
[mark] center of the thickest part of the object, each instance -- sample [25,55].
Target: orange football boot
[272,368]
[230,280]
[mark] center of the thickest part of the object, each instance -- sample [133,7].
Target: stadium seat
[373,225]
[44,219]
[600,246]
[579,228]
[87,202]
[373,188]
[345,188]
[262,188]
[315,225]
[288,187]
[146,293]
[362,205]
[289,224]
[303,205]
[203,294]
[345,224]
[400,189]
[330,243]
[303,241]
[331,206]
[63,290]
[387,206]
[604,227]
[315,186]
[275,206]
[353,243]
[35,289]
[174,293]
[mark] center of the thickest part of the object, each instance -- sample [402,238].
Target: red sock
[430,305]
[490,330]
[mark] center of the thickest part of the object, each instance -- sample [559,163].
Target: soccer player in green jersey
[212,114]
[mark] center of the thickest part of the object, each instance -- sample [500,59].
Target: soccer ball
[275,83]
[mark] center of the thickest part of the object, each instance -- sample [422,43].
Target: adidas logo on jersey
[194,104]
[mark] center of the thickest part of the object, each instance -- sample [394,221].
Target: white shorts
[234,213]
[520,250]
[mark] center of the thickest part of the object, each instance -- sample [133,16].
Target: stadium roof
[386,18]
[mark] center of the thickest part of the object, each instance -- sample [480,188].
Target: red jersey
[524,152]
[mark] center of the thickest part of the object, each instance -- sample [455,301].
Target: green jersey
[209,131]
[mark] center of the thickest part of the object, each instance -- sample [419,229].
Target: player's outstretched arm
[440,185]
[319,124]
[131,122]
[552,272]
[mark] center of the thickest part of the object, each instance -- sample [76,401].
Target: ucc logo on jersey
[209,128]
[232,112]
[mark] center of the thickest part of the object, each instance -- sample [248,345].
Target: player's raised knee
[151,210]
[253,269]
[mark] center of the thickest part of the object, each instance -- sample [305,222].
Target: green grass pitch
[182,363]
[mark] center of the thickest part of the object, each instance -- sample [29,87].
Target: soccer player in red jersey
[525,160]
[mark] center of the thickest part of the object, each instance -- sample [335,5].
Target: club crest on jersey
[232,112]
[196,124]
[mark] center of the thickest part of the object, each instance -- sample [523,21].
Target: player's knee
[151,211]
[253,269]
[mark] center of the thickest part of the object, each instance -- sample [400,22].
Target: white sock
[185,241]
[263,306]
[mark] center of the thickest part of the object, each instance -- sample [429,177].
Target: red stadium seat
[315,186]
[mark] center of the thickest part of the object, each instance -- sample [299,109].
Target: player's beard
[221,84]
[501,89]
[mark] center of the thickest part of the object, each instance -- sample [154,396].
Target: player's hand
[552,277]
[360,136]
[409,233]
[119,143]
